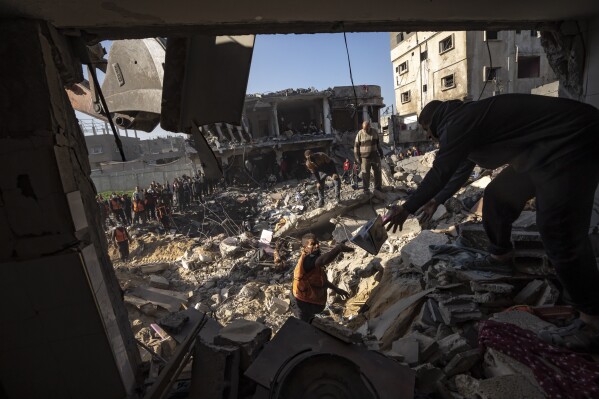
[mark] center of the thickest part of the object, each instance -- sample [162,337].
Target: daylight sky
[319,60]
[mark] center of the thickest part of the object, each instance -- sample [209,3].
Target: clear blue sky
[319,60]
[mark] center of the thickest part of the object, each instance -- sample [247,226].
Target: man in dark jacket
[321,166]
[550,145]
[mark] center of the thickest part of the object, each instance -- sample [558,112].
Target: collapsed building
[66,331]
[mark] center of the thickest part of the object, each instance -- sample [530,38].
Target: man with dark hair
[321,166]
[309,292]
[550,146]
[368,153]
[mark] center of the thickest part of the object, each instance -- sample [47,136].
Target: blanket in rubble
[561,373]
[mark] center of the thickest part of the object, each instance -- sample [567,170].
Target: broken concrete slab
[523,320]
[407,348]
[417,251]
[174,322]
[215,371]
[462,362]
[529,294]
[154,267]
[427,378]
[459,309]
[453,344]
[278,305]
[505,387]
[167,302]
[440,213]
[337,330]
[549,295]
[427,346]
[158,282]
[378,326]
[249,336]
[495,288]
[526,221]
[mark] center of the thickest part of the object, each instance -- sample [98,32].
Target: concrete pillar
[106,128]
[275,117]
[326,114]
[65,326]
[219,131]
[240,133]
[230,130]
[365,116]
[126,133]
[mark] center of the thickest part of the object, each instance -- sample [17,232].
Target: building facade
[462,65]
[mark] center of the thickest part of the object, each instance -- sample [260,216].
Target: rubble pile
[417,302]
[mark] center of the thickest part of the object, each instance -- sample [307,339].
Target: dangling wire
[490,69]
[351,76]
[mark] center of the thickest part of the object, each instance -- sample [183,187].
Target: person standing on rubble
[127,206]
[309,292]
[321,166]
[346,171]
[116,206]
[368,153]
[120,238]
[550,145]
[164,214]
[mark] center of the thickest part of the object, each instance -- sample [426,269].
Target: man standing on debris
[321,166]
[550,145]
[309,292]
[120,238]
[368,153]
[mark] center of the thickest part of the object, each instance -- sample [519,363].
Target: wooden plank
[165,301]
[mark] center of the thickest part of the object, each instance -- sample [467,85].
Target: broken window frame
[445,79]
[424,55]
[525,64]
[406,97]
[399,37]
[490,35]
[424,88]
[448,46]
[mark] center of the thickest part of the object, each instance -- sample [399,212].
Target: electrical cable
[490,69]
[117,139]
[351,76]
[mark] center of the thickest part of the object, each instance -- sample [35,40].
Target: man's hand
[427,211]
[342,293]
[396,217]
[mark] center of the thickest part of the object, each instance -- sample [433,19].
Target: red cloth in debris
[576,376]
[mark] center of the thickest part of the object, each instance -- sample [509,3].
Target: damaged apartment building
[461,65]
[284,124]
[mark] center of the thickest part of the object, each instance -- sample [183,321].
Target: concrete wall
[128,179]
[131,148]
[504,52]
[591,83]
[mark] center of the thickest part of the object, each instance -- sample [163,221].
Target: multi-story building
[464,66]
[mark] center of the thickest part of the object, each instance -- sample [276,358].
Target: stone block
[337,330]
[407,348]
[452,345]
[495,288]
[278,305]
[248,336]
[427,346]
[530,293]
[417,251]
[427,378]
[549,295]
[215,371]
[459,309]
[462,362]
[174,322]
[158,282]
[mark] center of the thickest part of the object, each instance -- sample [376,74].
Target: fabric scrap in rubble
[561,373]
[456,256]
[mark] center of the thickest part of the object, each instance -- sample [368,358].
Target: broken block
[173,322]
[495,288]
[417,251]
[337,330]
[462,362]
[452,345]
[158,282]
[278,305]
[529,294]
[407,348]
[249,336]
[215,371]
[458,310]
[427,377]
[549,294]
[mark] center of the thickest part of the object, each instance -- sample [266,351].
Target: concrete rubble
[232,258]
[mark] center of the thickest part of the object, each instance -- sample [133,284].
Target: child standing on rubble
[309,292]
